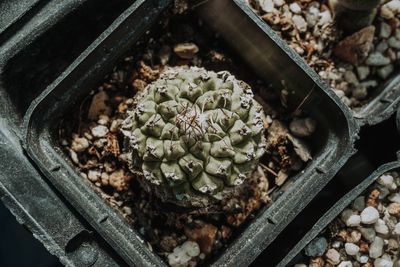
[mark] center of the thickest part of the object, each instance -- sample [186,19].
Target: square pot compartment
[296,253]
[382,102]
[44,46]
[264,53]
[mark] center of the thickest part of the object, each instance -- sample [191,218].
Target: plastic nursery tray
[264,53]
[296,253]
[383,102]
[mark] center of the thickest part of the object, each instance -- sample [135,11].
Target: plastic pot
[262,51]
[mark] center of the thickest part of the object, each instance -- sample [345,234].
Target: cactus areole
[194,135]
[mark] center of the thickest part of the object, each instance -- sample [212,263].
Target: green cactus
[353,15]
[195,135]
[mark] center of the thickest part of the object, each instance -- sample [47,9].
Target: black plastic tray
[264,52]
[329,216]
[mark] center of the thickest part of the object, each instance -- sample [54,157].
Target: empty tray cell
[27,73]
[93,96]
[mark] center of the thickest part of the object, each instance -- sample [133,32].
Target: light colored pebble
[363,72]
[368,234]
[93,175]
[387,181]
[79,144]
[396,230]
[394,209]
[385,71]
[295,8]
[376,248]
[345,264]
[385,30]
[364,258]
[103,119]
[325,17]
[369,215]
[353,220]
[381,227]
[99,131]
[394,42]
[394,197]
[333,256]
[377,59]
[393,6]
[383,263]
[267,5]
[382,47]
[279,3]
[299,23]
[351,249]
[183,254]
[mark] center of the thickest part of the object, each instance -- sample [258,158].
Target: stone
[351,249]
[396,230]
[394,197]
[333,256]
[186,50]
[387,181]
[382,47]
[394,42]
[266,5]
[377,59]
[295,8]
[393,6]
[362,72]
[345,264]
[385,30]
[316,247]
[394,209]
[353,220]
[299,23]
[359,203]
[383,263]
[376,248]
[99,131]
[79,144]
[355,48]
[93,175]
[99,105]
[381,227]
[385,71]
[369,215]
[350,77]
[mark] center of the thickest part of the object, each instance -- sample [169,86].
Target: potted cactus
[194,135]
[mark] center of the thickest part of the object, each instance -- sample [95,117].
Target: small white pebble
[79,144]
[376,247]
[387,181]
[383,263]
[351,249]
[300,23]
[381,227]
[333,256]
[364,259]
[295,8]
[353,220]
[94,175]
[396,230]
[99,131]
[369,215]
[345,264]
[394,198]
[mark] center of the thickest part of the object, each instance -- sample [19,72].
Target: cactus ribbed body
[195,135]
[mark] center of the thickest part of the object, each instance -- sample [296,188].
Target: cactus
[195,136]
[353,15]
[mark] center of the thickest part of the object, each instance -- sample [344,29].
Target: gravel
[371,54]
[372,242]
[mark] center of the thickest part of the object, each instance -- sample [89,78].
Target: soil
[90,136]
